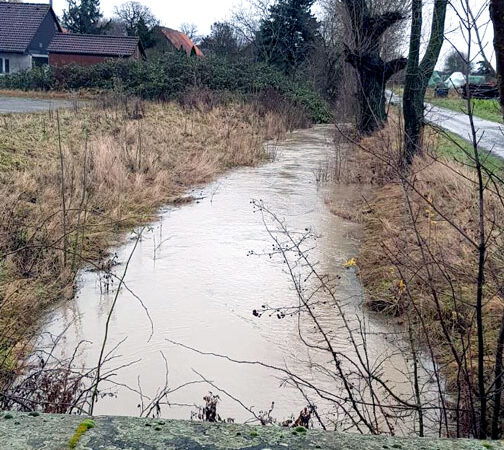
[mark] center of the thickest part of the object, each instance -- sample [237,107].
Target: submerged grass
[119,162]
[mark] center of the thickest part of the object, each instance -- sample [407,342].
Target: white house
[26,30]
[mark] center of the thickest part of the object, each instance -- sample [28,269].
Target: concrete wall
[46,431]
[17,62]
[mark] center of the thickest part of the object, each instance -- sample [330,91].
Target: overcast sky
[454,37]
[203,13]
[172,13]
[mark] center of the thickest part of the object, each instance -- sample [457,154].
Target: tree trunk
[373,72]
[371,97]
[419,73]
[373,75]
[413,96]
[497,15]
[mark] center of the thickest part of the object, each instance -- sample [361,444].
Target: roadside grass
[487,109]
[120,161]
[484,108]
[452,146]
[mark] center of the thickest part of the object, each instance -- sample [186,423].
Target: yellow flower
[350,263]
[402,286]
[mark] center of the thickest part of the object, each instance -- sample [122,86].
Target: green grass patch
[485,109]
[453,146]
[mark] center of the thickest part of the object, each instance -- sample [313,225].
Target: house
[26,29]
[30,36]
[88,49]
[176,40]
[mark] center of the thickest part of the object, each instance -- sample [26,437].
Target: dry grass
[391,261]
[117,171]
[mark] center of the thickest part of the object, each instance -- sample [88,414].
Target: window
[1,65]
[39,61]
[7,65]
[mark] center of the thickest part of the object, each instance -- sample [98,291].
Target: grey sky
[172,13]
[454,36]
[203,13]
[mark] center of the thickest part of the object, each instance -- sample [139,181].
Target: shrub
[172,75]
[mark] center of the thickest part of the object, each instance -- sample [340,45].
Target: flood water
[194,274]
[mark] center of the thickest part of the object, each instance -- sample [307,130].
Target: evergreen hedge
[168,76]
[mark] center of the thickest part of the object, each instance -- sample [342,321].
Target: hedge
[170,75]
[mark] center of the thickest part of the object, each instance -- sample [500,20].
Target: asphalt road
[27,105]
[490,134]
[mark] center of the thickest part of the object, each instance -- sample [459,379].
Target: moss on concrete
[84,426]
[112,433]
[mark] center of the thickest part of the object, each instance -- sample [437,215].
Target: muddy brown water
[194,273]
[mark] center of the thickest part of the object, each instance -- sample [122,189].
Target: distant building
[31,36]
[26,30]
[176,40]
[88,49]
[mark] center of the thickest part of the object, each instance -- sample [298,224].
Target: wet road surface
[490,134]
[27,105]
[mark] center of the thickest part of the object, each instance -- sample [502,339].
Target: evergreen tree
[484,68]
[288,34]
[145,33]
[84,16]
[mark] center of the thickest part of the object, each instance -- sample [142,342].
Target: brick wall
[62,59]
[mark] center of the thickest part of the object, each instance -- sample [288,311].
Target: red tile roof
[180,41]
[94,44]
[19,22]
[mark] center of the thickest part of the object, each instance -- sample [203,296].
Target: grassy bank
[417,263]
[485,109]
[72,182]
[454,148]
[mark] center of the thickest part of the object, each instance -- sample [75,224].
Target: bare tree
[247,19]
[456,62]
[479,38]
[191,31]
[138,20]
[131,13]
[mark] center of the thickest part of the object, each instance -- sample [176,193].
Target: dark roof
[93,44]
[180,41]
[19,23]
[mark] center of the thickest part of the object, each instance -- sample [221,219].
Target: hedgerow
[168,76]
